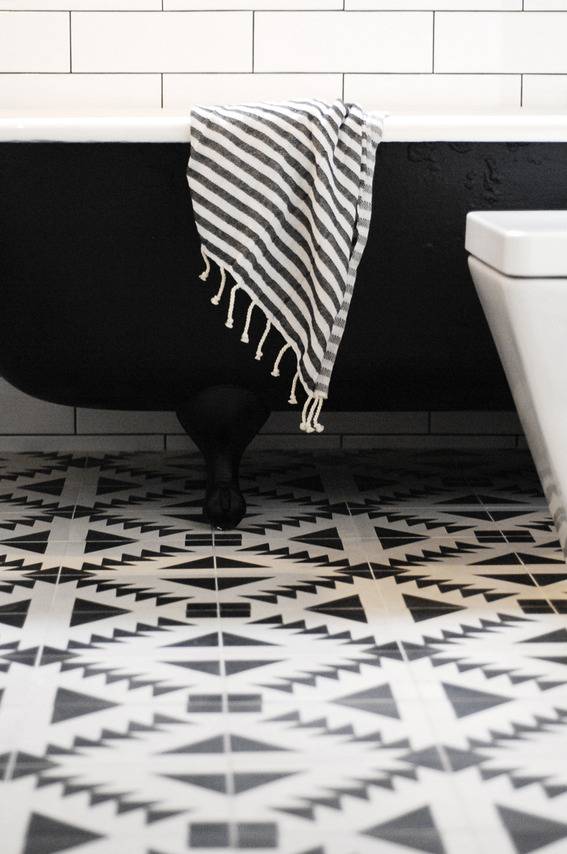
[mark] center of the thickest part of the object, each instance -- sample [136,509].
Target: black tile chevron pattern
[375,661]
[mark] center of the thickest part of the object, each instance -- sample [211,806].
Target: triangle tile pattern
[414,829]
[49,836]
[529,832]
[374,658]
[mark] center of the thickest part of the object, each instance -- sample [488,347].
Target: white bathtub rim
[174,126]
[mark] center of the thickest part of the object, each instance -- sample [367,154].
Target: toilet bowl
[518,263]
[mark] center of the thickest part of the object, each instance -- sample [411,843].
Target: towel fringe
[244,337]
[305,425]
[315,420]
[229,321]
[259,351]
[276,368]
[314,401]
[205,274]
[217,297]
[292,397]
[310,414]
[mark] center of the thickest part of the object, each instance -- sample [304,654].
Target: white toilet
[518,262]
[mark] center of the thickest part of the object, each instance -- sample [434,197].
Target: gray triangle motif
[47,487]
[200,666]
[15,613]
[378,700]
[29,543]
[229,639]
[426,609]
[391,539]
[468,702]
[232,666]
[108,484]
[48,836]
[330,538]
[240,744]
[415,829]
[213,782]
[557,636]
[349,608]
[88,611]
[71,704]
[97,540]
[215,744]
[245,782]
[530,832]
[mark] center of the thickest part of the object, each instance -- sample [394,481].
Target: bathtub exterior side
[105,317]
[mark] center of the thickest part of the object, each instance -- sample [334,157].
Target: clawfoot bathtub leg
[222,421]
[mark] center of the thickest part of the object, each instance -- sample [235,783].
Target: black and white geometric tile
[375,661]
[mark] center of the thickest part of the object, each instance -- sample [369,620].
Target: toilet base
[528,321]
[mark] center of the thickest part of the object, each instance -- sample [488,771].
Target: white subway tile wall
[500,42]
[343,41]
[391,54]
[113,91]
[433,91]
[172,41]
[545,91]
[34,41]
[179,90]
[395,54]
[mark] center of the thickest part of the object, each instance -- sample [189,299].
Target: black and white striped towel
[282,198]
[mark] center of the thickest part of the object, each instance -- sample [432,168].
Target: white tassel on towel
[259,351]
[205,274]
[276,368]
[244,337]
[305,421]
[217,297]
[314,402]
[292,397]
[310,415]
[315,418]
[229,321]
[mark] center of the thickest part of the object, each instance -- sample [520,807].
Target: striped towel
[282,198]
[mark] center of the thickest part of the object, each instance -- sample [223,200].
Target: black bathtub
[102,305]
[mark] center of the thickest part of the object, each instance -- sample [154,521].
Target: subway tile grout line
[70,46]
[290,73]
[253,38]
[336,73]
[433,47]
[284,9]
[287,9]
[266,436]
[297,73]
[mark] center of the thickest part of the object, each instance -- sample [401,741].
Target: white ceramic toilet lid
[531,244]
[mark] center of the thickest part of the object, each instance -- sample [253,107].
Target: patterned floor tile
[373,662]
[412,550]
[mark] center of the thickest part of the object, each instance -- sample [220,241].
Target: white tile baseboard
[48,427]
